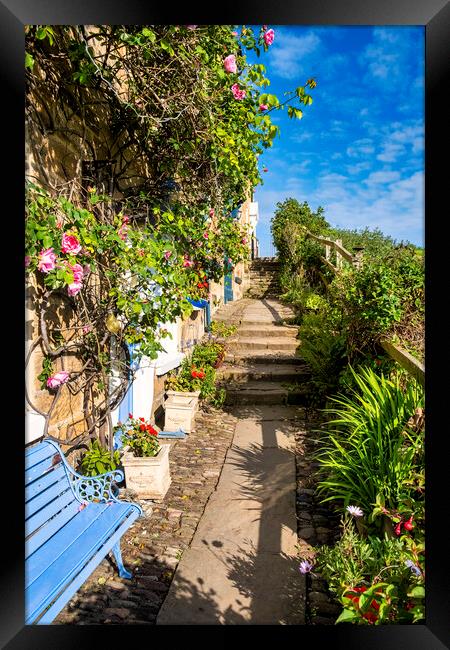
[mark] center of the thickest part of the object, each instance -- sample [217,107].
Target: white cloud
[361,147]
[288,54]
[383,176]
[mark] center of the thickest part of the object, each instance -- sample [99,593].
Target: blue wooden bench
[71,523]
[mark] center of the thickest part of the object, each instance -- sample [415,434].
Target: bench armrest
[96,488]
[91,488]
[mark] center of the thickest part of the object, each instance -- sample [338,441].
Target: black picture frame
[434,15]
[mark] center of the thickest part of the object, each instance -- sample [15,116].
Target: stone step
[274,344]
[262,356]
[262,330]
[264,392]
[289,372]
[266,322]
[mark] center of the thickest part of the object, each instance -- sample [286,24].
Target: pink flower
[269,37]
[27,260]
[122,232]
[211,213]
[87,329]
[70,244]
[57,379]
[125,219]
[167,254]
[244,240]
[77,271]
[230,63]
[238,93]
[74,288]
[188,262]
[205,235]
[46,260]
[234,34]
[263,107]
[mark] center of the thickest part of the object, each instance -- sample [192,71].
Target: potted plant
[145,461]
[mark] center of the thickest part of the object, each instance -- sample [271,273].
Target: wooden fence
[413,366]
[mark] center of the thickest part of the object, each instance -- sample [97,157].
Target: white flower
[355,511]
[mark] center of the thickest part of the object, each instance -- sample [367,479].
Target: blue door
[126,405]
[228,288]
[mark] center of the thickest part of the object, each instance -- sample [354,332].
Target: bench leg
[123,573]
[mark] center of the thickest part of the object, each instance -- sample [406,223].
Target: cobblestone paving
[317,523]
[153,546]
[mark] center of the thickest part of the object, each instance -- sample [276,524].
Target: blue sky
[359,149]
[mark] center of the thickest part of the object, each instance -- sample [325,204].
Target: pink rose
[238,93]
[230,63]
[77,271]
[269,37]
[57,379]
[263,107]
[74,288]
[167,254]
[125,219]
[205,235]
[70,244]
[46,260]
[187,262]
[122,232]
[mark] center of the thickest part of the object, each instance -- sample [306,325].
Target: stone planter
[180,409]
[148,477]
[185,396]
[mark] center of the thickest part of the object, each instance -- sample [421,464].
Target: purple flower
[355,511]
[305,566]
[415,569]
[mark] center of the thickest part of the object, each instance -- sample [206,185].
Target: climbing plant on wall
[185,117]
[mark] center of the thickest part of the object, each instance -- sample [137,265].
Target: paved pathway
[242,564]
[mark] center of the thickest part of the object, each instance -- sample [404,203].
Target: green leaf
[29,61]
[347,616]
[417,592]
[149,34]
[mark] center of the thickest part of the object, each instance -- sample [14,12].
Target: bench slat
[42,536]
[32,449]
[37,519]
[41,469]
[64,537]
[41,452]
[81,539]
[80,578]
[39,486]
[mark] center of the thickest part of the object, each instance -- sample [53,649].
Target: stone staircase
[261,365]
[264,278]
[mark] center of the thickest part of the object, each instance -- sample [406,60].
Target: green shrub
[98,460]
[371,454]
[375,580]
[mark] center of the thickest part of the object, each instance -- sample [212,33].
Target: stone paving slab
[244,548]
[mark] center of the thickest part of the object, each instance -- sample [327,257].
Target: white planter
[180,409]
[148,477]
